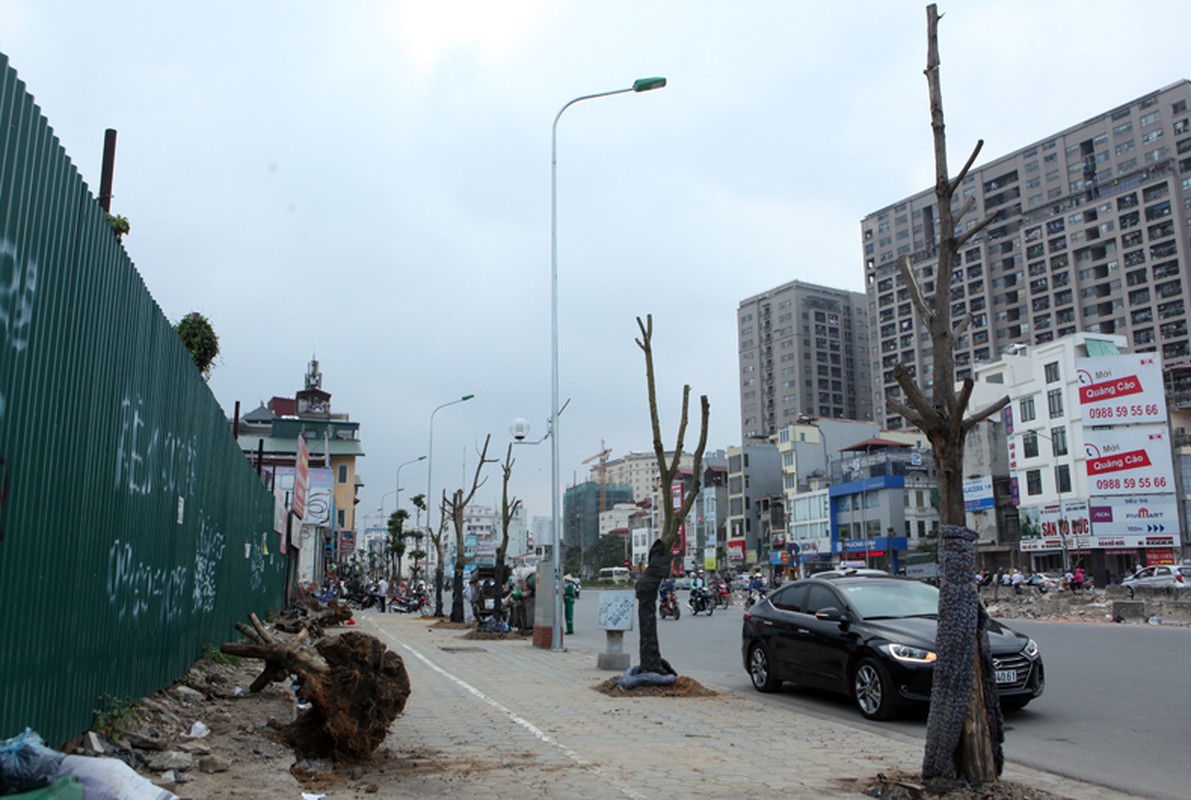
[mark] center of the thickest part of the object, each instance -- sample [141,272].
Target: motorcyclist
[699,596]
[666,598]
[756,588]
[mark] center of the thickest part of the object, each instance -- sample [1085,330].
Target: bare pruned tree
[508,510]
[454,507]
[660,552]
[964,729]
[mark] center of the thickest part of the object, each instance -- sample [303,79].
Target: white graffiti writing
[149,459]
[207,555]
[256,563]
[137,589]
[18,287]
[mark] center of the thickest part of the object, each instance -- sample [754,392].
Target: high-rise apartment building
[1091,235]
[803,352]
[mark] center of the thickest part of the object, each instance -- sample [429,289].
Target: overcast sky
[370,182]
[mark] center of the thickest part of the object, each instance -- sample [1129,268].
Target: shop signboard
[978,493]
[1135,517]
[1128,460]
[1121,389]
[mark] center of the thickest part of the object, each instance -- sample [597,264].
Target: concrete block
[1129,610]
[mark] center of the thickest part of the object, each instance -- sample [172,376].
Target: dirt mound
[911,787]
[682,687]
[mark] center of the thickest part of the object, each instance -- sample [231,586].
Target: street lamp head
[466,397]
[648,84]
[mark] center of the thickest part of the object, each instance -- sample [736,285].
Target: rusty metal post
[109,167]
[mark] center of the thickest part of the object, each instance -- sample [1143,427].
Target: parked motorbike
[700,601]
[417,603]
[668,607]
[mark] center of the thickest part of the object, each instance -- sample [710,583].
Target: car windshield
[890,599]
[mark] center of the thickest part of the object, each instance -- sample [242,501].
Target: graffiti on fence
[18,287]
[149,458]
[207,555]
[137,589]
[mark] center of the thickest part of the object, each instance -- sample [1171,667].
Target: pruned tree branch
[927,413]
[984,223]
[898,407]
[963,173]
[962,326]
[985,412]
[907,273]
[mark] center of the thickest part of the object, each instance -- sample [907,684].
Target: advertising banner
[1128,460]
[1135,521]
[978,493]
[1121,390]
[736,549]
[301,466]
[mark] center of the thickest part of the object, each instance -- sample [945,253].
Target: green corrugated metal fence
[133,532]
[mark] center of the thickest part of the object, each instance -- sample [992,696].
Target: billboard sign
[1128,460]
[1121,390]
[978,493]
[1137,520]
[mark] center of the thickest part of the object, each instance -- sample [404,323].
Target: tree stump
[355,686]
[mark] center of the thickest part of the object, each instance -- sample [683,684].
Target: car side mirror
[832,614]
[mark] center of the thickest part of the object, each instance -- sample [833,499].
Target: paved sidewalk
[503,719]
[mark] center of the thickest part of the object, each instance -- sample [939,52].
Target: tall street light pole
[430,460]
[399,468]
[639,85]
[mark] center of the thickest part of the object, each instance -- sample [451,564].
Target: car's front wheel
[873,690]
[761,670]
[1129,592]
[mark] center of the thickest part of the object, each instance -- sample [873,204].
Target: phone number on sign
[1120,412]
[1105,484]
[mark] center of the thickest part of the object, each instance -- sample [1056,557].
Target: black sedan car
[871,637]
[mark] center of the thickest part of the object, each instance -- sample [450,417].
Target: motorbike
[700,601]
[410,604]
[723,597]
[668,607]
[753,596]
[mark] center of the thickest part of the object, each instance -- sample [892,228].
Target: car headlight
[1031,649]
[911,655]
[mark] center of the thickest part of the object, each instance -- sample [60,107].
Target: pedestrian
[382,592]
[568,601]
[469,600]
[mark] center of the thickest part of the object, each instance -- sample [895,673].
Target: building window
[341,517]
[1063,477]
[1052,372]
[1034,482]
[1027,409]
[1054,402]
[1058,441]
[1029,444]
[343,473]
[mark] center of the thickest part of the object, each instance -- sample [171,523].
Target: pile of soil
[911,787]
[682,687]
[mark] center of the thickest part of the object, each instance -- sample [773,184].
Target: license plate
[490,603]
[1006,676]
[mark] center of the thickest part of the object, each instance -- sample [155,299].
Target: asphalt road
[1115,711]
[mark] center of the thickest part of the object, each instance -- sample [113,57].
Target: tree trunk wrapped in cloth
[647,596]
[962,638]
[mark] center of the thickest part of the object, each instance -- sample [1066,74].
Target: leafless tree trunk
[508,510]
[660,552]
[970,753]
[455,507]
[436,538]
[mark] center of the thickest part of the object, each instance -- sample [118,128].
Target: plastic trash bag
[27,763]
[112,779]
